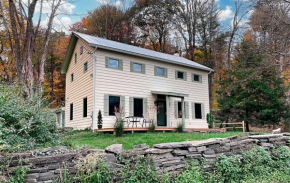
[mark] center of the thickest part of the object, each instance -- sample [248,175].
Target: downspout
[94,88]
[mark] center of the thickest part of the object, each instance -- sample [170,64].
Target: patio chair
[146,119]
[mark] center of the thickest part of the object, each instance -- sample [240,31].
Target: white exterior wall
[80,88]
[131,84]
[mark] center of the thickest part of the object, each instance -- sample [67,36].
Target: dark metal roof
[128,49]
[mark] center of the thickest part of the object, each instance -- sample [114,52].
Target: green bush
[142,171]
[192,173]
[179,128]
[209,119]
[152,127]
[25,122]
[119,128]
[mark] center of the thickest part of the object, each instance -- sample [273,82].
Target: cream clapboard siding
[130,84]
[80,88]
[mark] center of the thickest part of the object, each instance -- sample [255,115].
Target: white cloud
[104,1]
[59,24]
[65,7]
[226,14]
[118,3]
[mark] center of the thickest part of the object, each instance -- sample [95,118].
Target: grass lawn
[99,140]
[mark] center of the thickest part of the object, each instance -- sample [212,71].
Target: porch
[165,129]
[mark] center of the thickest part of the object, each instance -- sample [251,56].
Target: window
[114,104]
[71,108]
[85,107]
[72,77]
[85,66]
[81,50]
[138,107]
[114,63]
[76,57]
[159,71]
[137,67]
[179,110]
[179,75]
[197,108]
[196,77]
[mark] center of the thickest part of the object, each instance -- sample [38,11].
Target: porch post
[168,111]
[183,113]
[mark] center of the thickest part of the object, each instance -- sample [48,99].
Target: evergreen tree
[254,92]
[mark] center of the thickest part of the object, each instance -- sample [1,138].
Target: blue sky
[73,11]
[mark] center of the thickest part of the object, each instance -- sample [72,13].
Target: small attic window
[81,50]
[76,57]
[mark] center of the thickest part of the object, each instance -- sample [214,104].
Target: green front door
[161,113]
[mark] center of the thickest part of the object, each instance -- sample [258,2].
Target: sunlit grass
[99,140]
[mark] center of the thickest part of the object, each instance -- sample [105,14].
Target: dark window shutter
[143,69]
[106,105]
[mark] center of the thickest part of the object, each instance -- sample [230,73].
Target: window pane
[114,104]
[85,66]
[160,71]
[180,75]
[137,67]
[75,58]
[138,107]
[85,107]
[81,50]
[113,63]
[72,77]
[71,112]
[196,77]
[197,111]
[179,110]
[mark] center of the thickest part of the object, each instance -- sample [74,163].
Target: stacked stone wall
[49,163]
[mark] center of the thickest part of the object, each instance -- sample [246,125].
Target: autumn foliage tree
[28,42]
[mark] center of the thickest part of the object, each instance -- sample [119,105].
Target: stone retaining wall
[47,164]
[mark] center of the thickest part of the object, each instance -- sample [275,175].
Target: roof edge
[68,54]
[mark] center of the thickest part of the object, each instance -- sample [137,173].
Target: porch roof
[173,94]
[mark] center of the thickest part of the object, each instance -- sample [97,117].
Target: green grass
[99,140]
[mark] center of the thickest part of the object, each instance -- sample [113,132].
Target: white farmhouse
[105,75]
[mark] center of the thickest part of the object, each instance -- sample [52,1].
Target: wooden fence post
[243,126]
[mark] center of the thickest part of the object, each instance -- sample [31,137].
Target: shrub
[100,118]
[209,119]
[142,171]
[119,127]
[152,127]
[25,122]
[179,128]
[93,168]
[192,173]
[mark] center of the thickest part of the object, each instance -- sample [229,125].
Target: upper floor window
[76,57]
[72,77]
[137,67]
[196,78]
[180,75]
[85,66]
[81,50]
[113,63]
[160,71]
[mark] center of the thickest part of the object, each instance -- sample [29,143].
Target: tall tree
[155,20]
[22,34]
[255,92]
